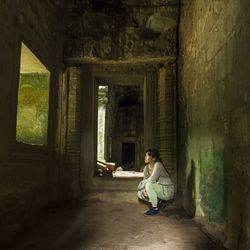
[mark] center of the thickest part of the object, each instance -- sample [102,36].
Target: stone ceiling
[119,30]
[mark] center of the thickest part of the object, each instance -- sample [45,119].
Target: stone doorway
[130,113]
[128,155]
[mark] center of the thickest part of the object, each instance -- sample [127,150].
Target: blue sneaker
[161,204]
[152,212]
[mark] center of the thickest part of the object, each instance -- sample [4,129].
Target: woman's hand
[145,193]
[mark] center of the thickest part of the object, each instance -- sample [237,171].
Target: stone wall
[24,169]
[69,132]
[166,123]
[214,115]
[122,30]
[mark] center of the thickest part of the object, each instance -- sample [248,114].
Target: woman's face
[149,158]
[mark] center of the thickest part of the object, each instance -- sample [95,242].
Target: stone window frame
[20,151]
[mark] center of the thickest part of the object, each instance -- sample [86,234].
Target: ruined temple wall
[166,119]
[214,115]
[123,30]
[25,171]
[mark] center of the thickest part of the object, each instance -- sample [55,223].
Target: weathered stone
[130,43]
[128,31]
[160,23]
[216,111]
[24,168]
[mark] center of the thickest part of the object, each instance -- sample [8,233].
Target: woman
[156,186]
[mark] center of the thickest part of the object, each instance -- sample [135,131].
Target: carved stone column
[166,118]
[150,107]
[89,108]
[70,133]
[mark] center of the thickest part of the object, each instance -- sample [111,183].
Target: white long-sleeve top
[159,175]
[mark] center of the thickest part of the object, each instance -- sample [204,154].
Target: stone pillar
[71,106]
[110,116]
[89,107]
[166,118]
[150,84]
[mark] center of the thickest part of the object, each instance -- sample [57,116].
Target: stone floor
[94,224]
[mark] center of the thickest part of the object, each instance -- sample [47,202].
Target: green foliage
[32,110]
[102,102]
[102,95]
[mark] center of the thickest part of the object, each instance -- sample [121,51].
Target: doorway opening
[128,155]
[120,129]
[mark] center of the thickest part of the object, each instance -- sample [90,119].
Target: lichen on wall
[212,185]
[214,107]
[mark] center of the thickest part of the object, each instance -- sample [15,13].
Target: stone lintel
[135,61]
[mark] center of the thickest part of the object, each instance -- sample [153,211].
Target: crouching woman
[156,186]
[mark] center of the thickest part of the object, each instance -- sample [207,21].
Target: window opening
[33,100]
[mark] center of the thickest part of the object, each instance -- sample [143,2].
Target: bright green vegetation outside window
[102,103]
[33,100]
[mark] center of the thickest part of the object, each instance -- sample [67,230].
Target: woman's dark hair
[154,153]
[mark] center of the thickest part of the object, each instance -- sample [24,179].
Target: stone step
[112,196]
[122,184]
[113,190]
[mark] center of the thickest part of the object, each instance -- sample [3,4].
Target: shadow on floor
[98,225]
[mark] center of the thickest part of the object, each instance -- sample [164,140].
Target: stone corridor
[93,224]
[168,74]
